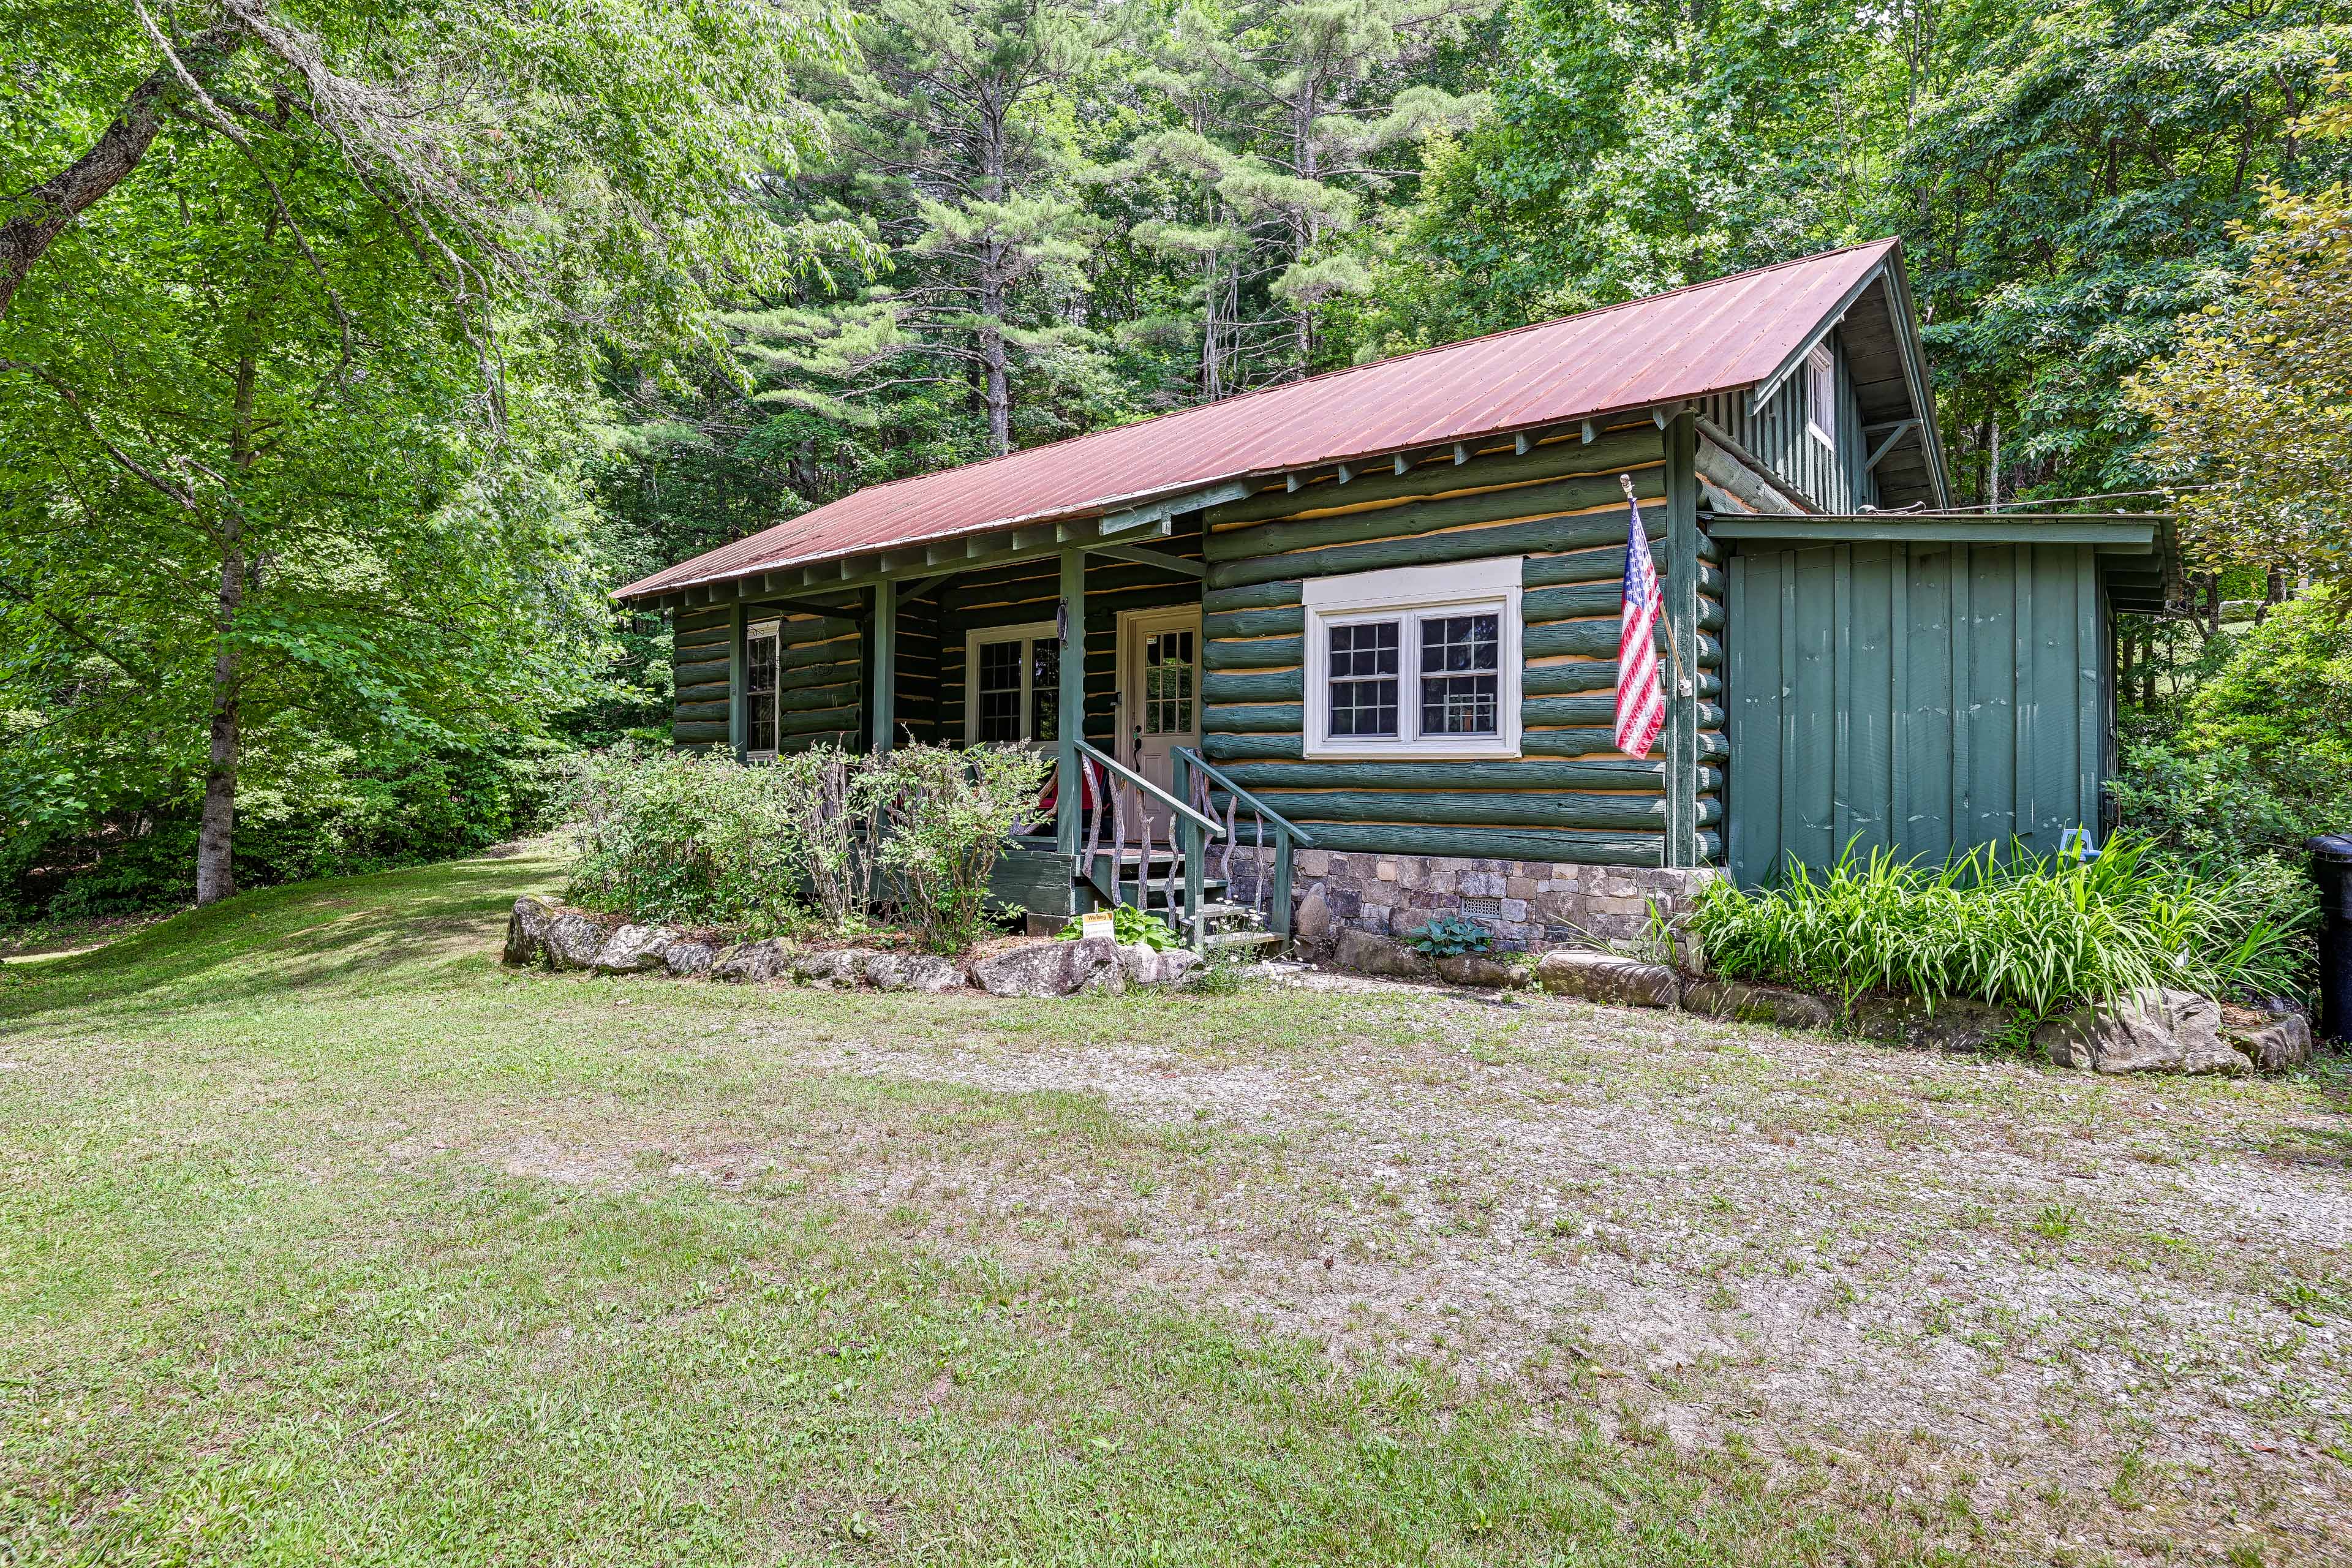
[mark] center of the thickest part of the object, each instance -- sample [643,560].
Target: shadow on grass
[340,931]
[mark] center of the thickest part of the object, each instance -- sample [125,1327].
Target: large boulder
[2273,1042]
[1312,923]
[1753,1004]
[534,915]
[1142,964]
[1606,977]
[1478,969]
[1368,954]
[634,950]
[750,960]
[573,940]
[2152,1030]
[1052,968]
[1946,1023]
[910,972]
[688,958]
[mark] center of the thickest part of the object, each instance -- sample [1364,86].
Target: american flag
[1640,700]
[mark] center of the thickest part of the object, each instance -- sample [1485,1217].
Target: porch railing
[1189,833]
[1273,884]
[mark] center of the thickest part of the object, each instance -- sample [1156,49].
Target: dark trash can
[2331,867]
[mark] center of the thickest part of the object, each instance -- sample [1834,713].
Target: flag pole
[1674,644]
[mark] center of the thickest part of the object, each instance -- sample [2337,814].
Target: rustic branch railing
[1274,888]
[1189,832]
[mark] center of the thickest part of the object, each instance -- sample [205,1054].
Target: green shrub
[2031,931]
[1128,925]
[945,817]
[671,835]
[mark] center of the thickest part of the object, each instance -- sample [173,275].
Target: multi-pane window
[1420,661]
[759,648]
[1461,675]
[996,691]
[1820,395]
[1012,684]
[1168,682]
[1044,688]
[1363,678]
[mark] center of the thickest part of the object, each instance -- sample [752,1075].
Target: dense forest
[350,352]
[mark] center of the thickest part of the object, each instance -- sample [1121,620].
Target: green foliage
[1129,925]
[945,815]
[670,836]
[674,835]
[1449,935]
[2036,932]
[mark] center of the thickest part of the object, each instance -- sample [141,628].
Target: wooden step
[1243,943]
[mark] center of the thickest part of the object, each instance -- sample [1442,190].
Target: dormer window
[1820,395]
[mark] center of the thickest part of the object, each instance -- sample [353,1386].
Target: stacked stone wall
[1527,905]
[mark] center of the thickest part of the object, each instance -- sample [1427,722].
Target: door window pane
[1044,688]
[1168,683]
[996,691]
[1461,675]
[1363,678]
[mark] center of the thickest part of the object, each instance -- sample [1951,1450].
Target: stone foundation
[1528,905]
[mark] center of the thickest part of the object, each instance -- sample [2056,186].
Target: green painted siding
[1922,698]
[1575,798]
[701,657]
[1836,481]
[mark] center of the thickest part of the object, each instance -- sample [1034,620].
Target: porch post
[1682,625]
[886,664]
[1069,722]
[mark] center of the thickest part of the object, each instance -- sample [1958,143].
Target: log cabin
[1346,648]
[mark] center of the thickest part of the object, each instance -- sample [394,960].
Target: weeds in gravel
[2038,932]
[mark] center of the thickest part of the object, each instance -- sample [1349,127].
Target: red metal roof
[1708,338]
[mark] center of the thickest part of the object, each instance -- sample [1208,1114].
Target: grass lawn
[323,1238]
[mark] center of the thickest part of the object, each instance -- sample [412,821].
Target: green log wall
[1574,798]
[702,651]
[1921,698]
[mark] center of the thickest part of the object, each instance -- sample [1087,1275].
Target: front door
[1159,695]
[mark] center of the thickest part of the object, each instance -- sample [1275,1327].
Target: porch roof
[1747,332]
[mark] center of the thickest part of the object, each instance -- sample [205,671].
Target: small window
[1012,685]
[1820,395]
[761,641]
[1424,661]
[1168,682]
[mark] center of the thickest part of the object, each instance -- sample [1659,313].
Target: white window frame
[1027,633]
[1821,395]
[1411,595]
[764,631]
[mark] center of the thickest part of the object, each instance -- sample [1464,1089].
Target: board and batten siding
[1571,797]
[1923,698]
[1835,482]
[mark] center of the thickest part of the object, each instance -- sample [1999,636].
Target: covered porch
[1080,639]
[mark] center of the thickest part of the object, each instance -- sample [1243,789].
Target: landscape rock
[2147,1031]
[1367,953]
[573,940]
[840,965]
[1950,1025]
[750,960]
[634,950]
[2273,1042]
[1051,968]
[688,958]
[910,972]
[527,928]
[1478,969]
[1144,965]
[1605,977]
[1312,923]
[1754,1003]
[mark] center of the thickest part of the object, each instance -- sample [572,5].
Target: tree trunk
[997,389]
[49,208]
[2212,604]
[216,834]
